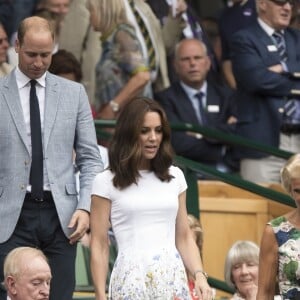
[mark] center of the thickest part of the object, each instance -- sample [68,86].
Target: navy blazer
[262,93]
[178,108]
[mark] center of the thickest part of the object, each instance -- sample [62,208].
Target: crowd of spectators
[135,54]
[236,71]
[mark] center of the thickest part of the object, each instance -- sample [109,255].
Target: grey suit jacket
[68,125]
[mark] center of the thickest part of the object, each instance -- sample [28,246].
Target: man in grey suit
[55,221]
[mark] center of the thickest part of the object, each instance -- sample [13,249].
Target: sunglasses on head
[283,2]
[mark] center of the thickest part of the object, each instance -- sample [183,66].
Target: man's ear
[17,46]
[10,283]
[261,5]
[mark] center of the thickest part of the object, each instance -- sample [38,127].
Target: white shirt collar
[267,28]
[191,91]
[22,79]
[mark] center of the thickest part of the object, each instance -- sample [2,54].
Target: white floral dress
[148,265]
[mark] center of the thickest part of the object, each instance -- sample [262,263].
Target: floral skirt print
[288,238]
[161,276]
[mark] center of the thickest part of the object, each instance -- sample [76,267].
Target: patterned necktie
[291,113]
[200,96]
[280,43]
[36,172]
[195,27]
[146,35]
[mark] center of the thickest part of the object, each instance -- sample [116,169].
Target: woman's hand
[202,288]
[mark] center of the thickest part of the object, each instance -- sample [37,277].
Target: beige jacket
[5,69]
[78,37]
[164,41]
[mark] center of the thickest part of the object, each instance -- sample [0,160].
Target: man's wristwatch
[114,106]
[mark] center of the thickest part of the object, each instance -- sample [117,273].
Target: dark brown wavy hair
[125,152]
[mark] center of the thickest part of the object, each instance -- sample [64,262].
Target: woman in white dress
[142,196]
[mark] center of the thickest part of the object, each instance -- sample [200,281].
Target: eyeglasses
[283,2]
[2,40]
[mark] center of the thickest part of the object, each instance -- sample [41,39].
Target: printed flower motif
[288,238]
[286,227]
[162,278]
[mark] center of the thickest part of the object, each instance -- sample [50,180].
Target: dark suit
[261,93]
[178,108]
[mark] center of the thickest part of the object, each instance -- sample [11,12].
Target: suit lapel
[12,98]
[266,42]
[263,36]
[51,106]
[290,46]
[184,105]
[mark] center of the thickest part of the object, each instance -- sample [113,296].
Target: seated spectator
[192,27]
[241,270]
[65,64]
[27,274]
[122,72]
[215,109]
[5,68]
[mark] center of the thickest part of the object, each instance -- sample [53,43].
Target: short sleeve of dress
[180,179]
[102,184]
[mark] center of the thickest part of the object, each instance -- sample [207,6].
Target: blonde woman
[280,244]
[121,73]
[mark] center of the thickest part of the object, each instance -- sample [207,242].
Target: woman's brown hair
[125,152]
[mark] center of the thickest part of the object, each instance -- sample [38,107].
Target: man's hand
[181,8]
[176,12]
[276,68]
[80,221]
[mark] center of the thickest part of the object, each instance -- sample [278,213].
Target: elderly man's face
[3,45]
[275,14]
[33,282]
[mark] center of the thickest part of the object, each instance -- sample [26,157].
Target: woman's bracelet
[200,271]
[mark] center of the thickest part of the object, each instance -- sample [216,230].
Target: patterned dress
[121,58]
[143,216]
[288,239]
